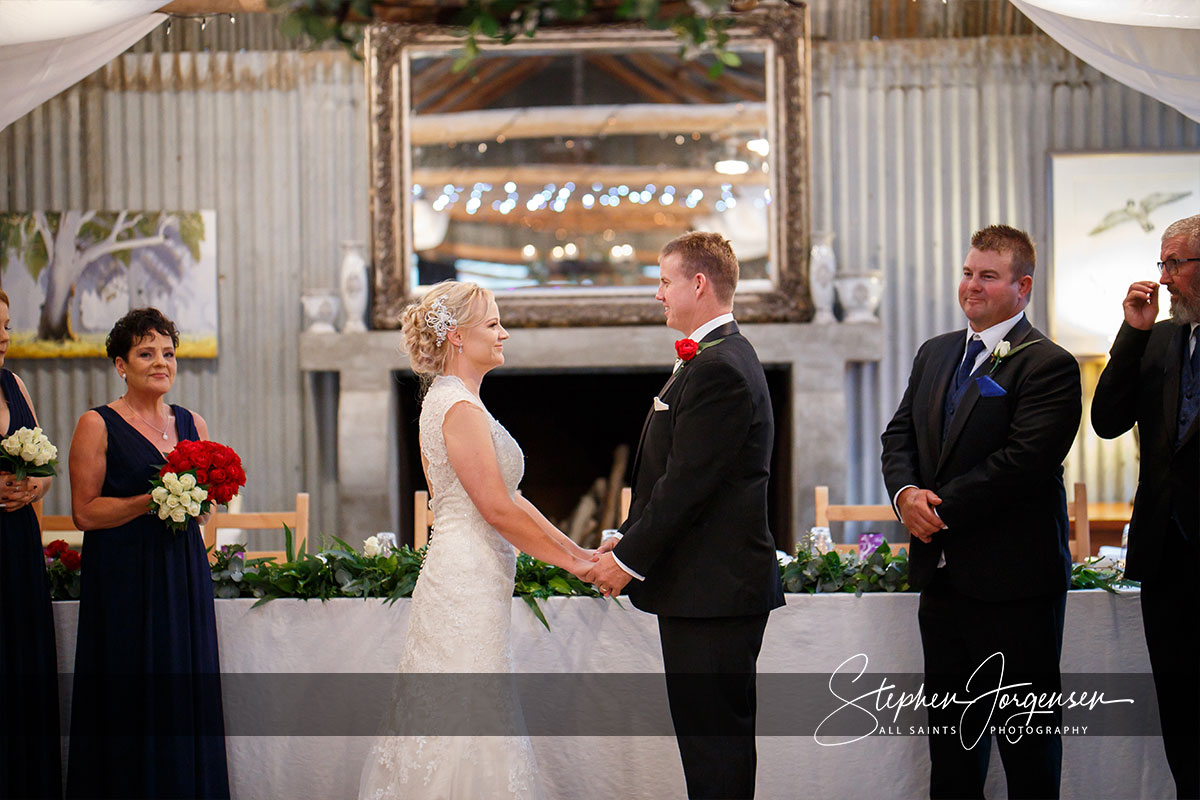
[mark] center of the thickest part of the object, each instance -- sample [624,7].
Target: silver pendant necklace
[162,430]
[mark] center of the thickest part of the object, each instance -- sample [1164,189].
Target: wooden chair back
[1077,512]
[296,519]
[827,513]
[57,526]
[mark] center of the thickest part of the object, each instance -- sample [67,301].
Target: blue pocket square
[989,388]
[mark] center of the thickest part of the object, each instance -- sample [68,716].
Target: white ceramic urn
[354,285]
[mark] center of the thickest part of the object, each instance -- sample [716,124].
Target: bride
[459,620]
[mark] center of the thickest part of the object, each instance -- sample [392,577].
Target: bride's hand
[582,567]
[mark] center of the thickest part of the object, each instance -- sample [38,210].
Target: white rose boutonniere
[1005,350]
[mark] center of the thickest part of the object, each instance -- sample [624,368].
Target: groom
[696,549]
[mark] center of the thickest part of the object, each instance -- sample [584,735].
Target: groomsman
[1153,379]
[696,549]
[973,462]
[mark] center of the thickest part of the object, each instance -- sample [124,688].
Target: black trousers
[1170,608]
[710,671]
[958,633]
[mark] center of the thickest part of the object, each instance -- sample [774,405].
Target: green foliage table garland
[342,571]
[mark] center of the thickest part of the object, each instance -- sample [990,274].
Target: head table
[811,635]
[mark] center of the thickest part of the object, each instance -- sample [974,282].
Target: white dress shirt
[695,336]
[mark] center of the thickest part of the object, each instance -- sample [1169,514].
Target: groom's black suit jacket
[999,470]
[697,527]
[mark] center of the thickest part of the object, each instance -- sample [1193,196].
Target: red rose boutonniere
[687,349]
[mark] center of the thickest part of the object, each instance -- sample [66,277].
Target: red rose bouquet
[197,475]
[62,567]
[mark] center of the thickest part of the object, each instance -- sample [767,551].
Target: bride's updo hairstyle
[448,306]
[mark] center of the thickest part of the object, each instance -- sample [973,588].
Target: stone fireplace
[570,396]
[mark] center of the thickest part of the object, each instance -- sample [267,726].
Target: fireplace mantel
[816,356]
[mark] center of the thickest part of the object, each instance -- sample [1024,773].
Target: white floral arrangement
[371,546]
[176,499]
[28,453]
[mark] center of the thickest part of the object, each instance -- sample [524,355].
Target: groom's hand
[605,546]
[607,576]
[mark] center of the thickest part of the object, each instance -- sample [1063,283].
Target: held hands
[16,494]
[605,574]
[916,508]
[1141,305]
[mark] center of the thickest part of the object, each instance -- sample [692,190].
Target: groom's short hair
[709,253]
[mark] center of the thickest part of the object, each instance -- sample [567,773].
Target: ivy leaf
[533,605]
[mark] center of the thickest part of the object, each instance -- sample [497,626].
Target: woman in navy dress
[29,742]
[146,718]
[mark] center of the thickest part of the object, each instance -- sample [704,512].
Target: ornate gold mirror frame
[779,32]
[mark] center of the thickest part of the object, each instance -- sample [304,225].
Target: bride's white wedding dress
[458,623]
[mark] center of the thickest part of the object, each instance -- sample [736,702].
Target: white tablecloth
[811,634]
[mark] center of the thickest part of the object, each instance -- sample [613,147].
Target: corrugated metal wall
[915,144]
[276,142]
[918,143]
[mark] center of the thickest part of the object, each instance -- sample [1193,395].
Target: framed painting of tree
[70,275]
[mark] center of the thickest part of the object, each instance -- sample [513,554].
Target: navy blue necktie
[1189,389]
[974,348]
[959,385]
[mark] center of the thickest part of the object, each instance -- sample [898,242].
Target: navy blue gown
[30,765]
[146,717]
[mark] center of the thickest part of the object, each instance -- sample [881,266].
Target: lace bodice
[449,496]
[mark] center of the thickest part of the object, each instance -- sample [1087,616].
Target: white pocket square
[659,405]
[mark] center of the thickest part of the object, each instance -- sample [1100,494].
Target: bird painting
[1138,211]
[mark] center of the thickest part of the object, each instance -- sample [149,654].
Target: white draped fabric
[1150,45]
[46,47]
[811,635]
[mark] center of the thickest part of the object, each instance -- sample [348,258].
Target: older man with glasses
[1153,379]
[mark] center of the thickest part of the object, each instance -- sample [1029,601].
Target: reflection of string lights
[732,166]
[558,198]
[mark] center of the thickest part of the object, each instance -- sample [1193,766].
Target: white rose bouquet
[177,499]
[28,454]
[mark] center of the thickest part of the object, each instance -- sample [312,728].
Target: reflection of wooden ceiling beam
[468,85]
[671,77]
[613,66]
[430,82]
[584,175]
[524,69]
[623,219]
[740,85]
[610,120]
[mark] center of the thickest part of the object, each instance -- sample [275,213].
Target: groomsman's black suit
[1142,384]
[998,471]
[697,532]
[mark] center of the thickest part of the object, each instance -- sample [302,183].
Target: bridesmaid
[146,717]
[30,765]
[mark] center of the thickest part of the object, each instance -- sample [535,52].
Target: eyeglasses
[1172,265]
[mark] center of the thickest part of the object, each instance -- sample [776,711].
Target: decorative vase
[860,296]
[354,287]
[822,270]
[320,310]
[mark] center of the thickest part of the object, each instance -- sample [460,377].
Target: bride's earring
[460,349]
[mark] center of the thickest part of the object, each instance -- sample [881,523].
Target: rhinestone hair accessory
[440,319]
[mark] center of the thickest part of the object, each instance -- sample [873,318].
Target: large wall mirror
[552,170]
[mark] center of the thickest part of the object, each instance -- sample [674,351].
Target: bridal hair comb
[440,319]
